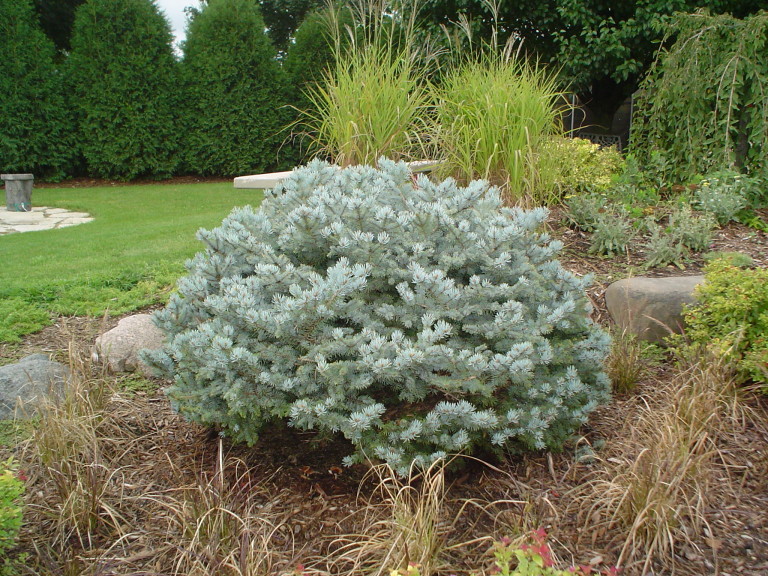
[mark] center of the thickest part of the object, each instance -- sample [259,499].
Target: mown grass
[129,257]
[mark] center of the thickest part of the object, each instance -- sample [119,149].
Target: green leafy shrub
[686,231]
[11,489]
[729,195]
[720,195]
[731,318]
[737,259]
[416,320]
[583,210]
[124,83]
[662,249]
[694,231]
[579,165]
[35,124]
[235,92]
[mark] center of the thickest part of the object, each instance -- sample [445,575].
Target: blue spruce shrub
[416,320]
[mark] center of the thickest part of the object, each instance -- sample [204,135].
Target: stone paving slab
[40,218]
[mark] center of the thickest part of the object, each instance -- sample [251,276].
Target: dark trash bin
[18,191]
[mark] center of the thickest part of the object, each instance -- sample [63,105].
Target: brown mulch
[300,473]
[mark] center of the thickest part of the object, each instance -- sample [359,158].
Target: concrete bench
[272,179]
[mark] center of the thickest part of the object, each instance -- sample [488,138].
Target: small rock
[26,384]
[650,308]
[119,348]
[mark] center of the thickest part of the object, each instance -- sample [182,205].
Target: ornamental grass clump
[372,99]
[416,319]
[495,117]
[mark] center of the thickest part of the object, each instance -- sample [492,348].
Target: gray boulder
[119,348]
[26,384]
[650,308]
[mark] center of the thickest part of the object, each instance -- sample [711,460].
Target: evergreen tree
[56,18]
[35,126]
[124,79]
[305,64]
[235,92]
[310,54]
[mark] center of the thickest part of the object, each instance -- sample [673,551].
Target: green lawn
[128,257]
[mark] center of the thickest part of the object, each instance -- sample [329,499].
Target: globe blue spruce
[416,319]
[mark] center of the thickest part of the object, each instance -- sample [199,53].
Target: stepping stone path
[40,218]
[27,383]
[650,308]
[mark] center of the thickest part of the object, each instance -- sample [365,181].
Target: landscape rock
[25,384]
[119,348]
[650,308]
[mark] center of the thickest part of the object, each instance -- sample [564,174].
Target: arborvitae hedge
[309,55]
[35,126]
[124,78]
[235,89]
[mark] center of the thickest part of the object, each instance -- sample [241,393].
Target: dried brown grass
[663,473]
[415,520]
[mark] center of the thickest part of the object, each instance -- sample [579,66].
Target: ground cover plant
[129,257]
[667,224]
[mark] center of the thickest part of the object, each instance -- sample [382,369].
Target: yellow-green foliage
[731,318]
[578,165]
[11,489]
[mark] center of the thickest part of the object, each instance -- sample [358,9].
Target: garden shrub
[35,124]
[579,165]
[416,320]
[236,92]
[720,194]
[731,318]
[583,210]
[125,89]
[729,195]
[704,103]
